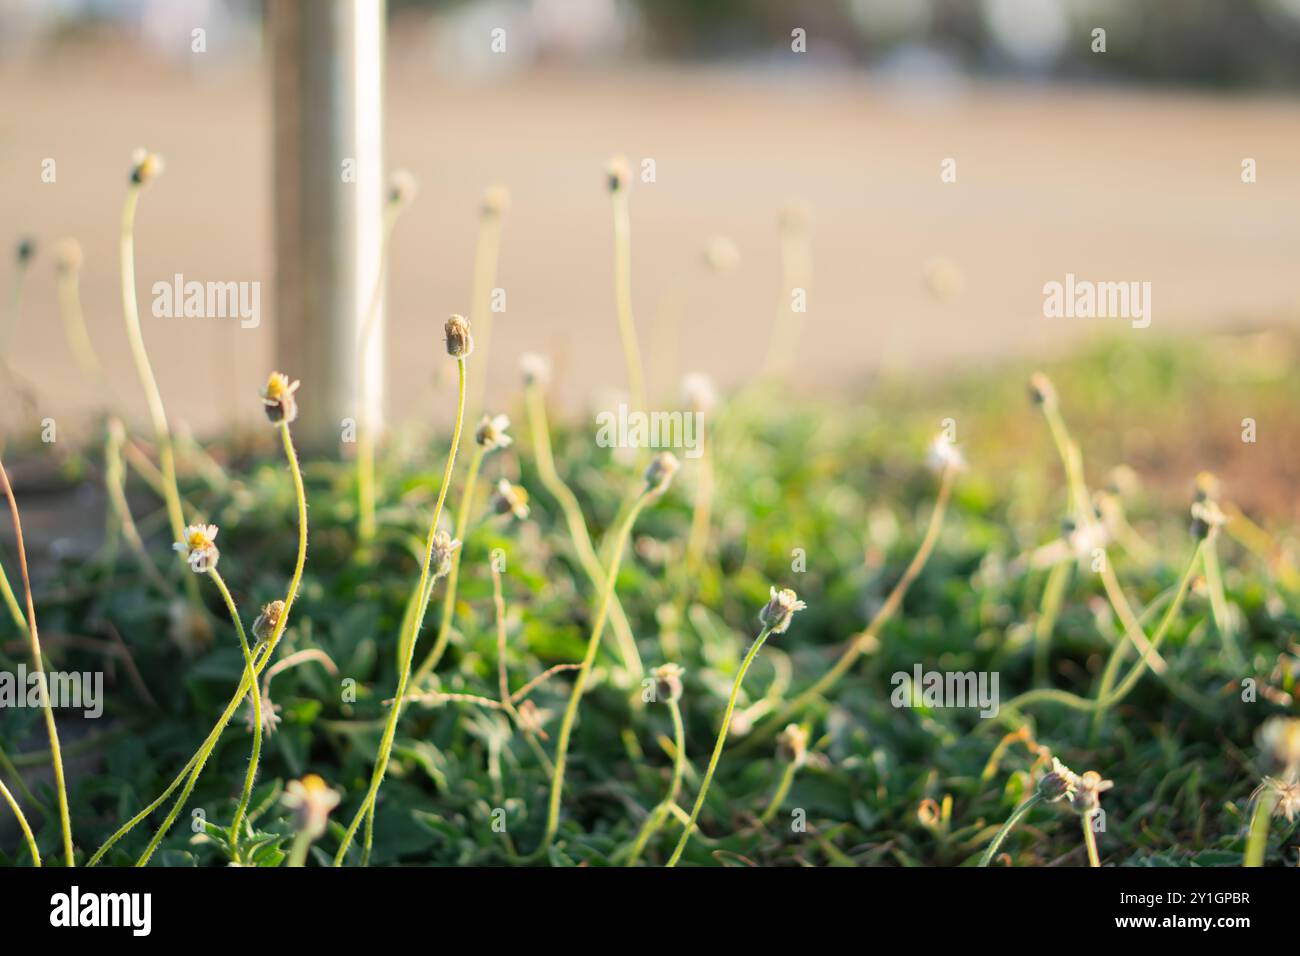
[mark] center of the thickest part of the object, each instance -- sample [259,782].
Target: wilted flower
[1286,796]
[779,609]
[444,549]
[510,499]
[1041,390]
[496,200]
[536,369]
[311,799]
[270,716]
[1087,795]
[145,166]
[617,173]
[1279,737]
[721,254]
[698,392]
[198,547]
[278,397]
[25,251]
[403,187]
[792,745]
[491,432]
[1059,783]
[659,474]
[944,455]
[668,681]
[459,342]
[1207,518]
[67,256]
[266,622]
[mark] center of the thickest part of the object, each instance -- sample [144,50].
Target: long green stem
[256,692]
[580,682]
[660,813]
[717,747]
[1090,838]
[409,640]
[782,791]
[1053,591]
[1016,815]
[623,296]
[577,525]
[190,772]
[56,755]
[486,253]
[22,823]
[1219,606]
[448,612]
[1257,842]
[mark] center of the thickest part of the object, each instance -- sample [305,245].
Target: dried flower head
[510,499]
[792,745]
[1087,795]
[721,254]
[68,256]
[496,200]
[444,549]
[944,454]
[779,609]
[535,368]
[698,392]
[1060,783]
[270,716]
[198,547]
[491,432]
[25,251]
[668,681]
[145,166]
[459,342]
[311,799]
[1286,796]
[617,173]
[1279,738]
[278,397]
[1041,390]
[1207,519]
[403,187]
[659,473]
[266,623]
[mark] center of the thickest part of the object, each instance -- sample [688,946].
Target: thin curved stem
[256,691]
[660,813]
[782,791]
[1257,841]
[22,823]
[1016,815]
[409,640]
[717,747]
[56,754]
[580,682]
[1090,839]
[623,296]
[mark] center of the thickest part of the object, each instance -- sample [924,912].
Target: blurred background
[1123,165]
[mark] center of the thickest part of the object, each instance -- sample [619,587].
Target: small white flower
[491,432]
[944,455]
[779,609]
[199,547]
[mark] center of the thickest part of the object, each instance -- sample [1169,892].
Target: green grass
[841,482]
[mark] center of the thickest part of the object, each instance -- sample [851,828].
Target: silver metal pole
[327,78]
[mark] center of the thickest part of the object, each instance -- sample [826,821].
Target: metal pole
[327,79]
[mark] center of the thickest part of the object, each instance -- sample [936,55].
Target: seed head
[270,716]
[1087,796]
[1286,794]
[25,251]
[459,342]
[617,173]
[496,200]
[668,681]
[721,254]
[67,256]
[311,801]
[659,474]
[199,547]
[403,187]
[1042,391]
[491,432]
[266,623]
[792,745]
[145,166]
[1059,783]
[779,609]
[536,369]
[510,499]
[444,549]
[698,392]
[278,397]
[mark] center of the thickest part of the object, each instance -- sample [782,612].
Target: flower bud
[459,341]
[277,396]
[145,166]
[266,623]
[444,549]
[779,609]
[668,682]
[659,475]
[1041,390]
